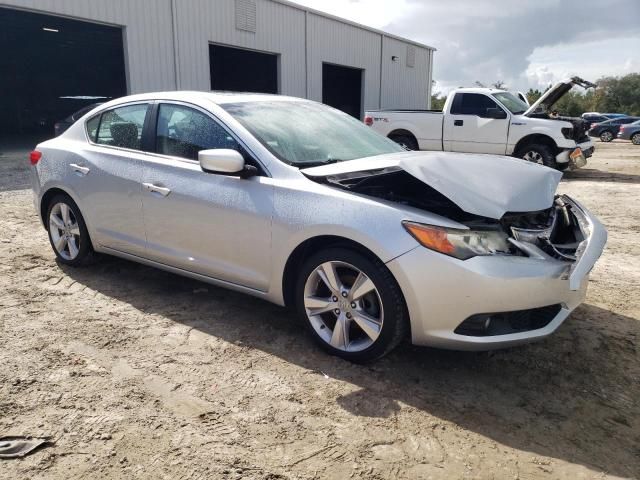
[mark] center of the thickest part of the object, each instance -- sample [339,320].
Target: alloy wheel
[636,139]
[606,136]
[65,231]
[343,306]
[533,156]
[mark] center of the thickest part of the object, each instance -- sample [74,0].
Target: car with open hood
[493,121]
[302,205]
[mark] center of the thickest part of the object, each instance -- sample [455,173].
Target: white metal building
[93,48]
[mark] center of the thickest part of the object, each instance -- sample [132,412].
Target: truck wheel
[635,138]
[606,136]
[538,153]
[406,141]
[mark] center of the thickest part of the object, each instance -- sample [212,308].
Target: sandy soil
[136,373]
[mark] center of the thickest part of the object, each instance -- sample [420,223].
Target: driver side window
[472,104]
[183,132]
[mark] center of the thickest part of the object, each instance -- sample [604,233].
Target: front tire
[351,304]
[635,138]
[68,232]
[606,136]
[538,153]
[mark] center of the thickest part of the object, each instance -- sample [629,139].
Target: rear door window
[183,132]
[122,127]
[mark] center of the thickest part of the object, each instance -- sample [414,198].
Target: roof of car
[215,97]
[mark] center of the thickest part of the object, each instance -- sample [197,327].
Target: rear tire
[407,141]
[538,153]
[351,304]
[606,136]
[635,138]
[68,232]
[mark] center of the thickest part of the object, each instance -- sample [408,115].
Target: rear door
[211,224]
[469,126]
[107,178]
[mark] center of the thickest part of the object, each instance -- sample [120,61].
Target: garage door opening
[53,66]
[342,88]
[239,70]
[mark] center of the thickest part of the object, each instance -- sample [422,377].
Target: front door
[214,225]
[470,127]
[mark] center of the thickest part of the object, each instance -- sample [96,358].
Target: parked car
[486,120]
[608,130]
[61,126]
[630,132]
[300,204]
[593,117]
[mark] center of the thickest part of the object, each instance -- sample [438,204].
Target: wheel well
[307,248]
[44,203]
[402,132]
[536,138]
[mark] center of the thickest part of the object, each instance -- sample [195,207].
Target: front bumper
[441,292]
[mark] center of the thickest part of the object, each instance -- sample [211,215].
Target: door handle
[156,189]
[458,123]
[79,168]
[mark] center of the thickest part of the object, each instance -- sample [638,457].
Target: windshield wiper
[316,163]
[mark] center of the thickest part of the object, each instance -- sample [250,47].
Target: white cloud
[590,60]
[525,44]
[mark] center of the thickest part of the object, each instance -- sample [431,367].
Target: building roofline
[353,24]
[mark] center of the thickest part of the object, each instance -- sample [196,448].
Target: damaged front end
[556,233]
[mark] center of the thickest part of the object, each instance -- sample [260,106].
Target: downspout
[381,62]
[174,31]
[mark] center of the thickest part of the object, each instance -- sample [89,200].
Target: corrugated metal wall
[279,29]
[404,86]
[303,40]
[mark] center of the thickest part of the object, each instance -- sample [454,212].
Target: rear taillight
[35,156]
[593,125]
[622,127]
[368,121]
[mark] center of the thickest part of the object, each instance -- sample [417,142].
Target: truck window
[472,104]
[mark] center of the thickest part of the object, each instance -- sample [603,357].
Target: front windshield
[513,103]
[304,134]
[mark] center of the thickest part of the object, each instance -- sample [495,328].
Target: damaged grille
[555,232]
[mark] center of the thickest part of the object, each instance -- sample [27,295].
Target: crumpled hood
[485,185]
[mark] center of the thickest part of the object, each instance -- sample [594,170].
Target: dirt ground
[137,373]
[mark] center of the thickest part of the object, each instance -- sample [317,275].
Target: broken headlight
[462,244]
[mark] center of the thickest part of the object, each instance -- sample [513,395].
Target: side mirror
[496,113]
[221,160]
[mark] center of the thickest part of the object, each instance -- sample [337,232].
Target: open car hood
[555,93]
[485,185]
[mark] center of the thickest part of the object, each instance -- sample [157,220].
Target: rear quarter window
[92,127]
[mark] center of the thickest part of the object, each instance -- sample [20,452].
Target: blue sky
[526,43]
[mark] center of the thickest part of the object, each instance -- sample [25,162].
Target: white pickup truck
[487,120]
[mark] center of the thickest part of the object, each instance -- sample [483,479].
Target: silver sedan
[304,206]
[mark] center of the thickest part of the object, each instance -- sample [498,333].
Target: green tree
[533,95]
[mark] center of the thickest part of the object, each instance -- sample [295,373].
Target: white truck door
[475,124]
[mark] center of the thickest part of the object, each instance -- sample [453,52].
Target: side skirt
[186,273]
